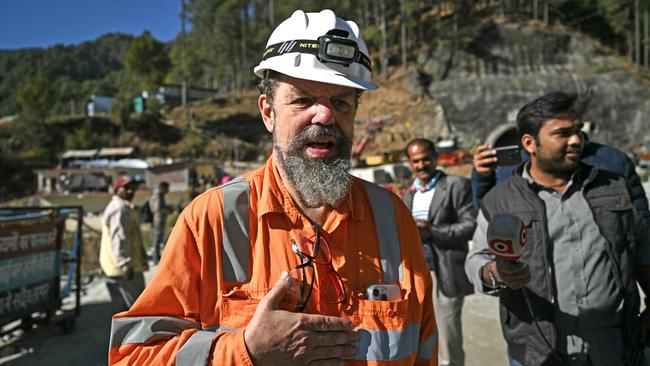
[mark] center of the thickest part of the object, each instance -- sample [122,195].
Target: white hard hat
[319,47]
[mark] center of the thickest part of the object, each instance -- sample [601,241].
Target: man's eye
[303,101]
[341,104]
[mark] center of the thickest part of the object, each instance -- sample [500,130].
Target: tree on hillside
[148,61]
[36,96]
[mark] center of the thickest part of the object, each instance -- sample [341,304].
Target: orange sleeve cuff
[230,349]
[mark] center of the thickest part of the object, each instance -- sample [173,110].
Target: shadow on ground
[47,344]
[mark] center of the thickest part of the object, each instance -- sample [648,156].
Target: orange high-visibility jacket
[208,283]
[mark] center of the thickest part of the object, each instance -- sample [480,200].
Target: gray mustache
[315,131]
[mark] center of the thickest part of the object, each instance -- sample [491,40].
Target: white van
[383,174]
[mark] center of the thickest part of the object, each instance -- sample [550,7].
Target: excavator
[371,127]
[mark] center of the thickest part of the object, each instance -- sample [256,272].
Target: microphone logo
[501,246]
[506,236]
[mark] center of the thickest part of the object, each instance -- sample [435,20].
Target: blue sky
[44,23]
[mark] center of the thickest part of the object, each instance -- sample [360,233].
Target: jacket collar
[418,186]
[275,198]
[122,202]
[584,175]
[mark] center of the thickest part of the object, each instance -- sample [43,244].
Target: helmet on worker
[318,47]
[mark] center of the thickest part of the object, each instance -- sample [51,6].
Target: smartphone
[383,292]
[508,155]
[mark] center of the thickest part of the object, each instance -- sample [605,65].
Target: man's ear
[266,110]
[529,143]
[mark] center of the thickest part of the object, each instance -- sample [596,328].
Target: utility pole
[637,36]
[646,38]
[184,86]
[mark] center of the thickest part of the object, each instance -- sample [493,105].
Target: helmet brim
[333,77]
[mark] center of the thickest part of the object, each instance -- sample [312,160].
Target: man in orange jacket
[297,262]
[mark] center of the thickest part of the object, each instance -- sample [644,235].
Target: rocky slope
[505,66]
[469,92]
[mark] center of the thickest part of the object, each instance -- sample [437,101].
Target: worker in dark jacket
[570,297]
[486,173]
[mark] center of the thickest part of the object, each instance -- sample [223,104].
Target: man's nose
[323,113]
[576,138]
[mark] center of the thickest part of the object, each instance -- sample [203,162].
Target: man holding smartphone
[572,297]
[441,205]
[490,168]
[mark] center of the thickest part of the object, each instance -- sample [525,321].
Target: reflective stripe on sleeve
[426,348]
[235,251]
[196,351]
[383,211]
[147,329]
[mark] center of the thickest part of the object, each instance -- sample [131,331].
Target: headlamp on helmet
[337,48]
[333,47]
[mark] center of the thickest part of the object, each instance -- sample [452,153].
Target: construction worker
[122,256]
[298,261]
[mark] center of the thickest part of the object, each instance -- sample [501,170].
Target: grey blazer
[452,220]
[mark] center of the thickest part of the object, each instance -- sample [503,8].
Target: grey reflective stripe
[196,351]
[386,225]
[388,345]
[147,329]
[381,345]
[426,348]
[235,252]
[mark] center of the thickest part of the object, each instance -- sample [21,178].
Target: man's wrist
[489,279]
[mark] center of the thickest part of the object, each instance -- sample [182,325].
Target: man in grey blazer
[442,208]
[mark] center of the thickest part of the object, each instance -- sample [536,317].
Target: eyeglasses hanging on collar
[316,265]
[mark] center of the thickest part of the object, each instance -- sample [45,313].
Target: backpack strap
[235,250]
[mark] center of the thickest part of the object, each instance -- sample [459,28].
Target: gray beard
[320,181]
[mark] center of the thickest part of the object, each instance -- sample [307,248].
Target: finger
[274,297]
[516,276]
[486,153]
[486,162]
[509,266]
[320,339]
[517,282]
[322,323]
[482,148]
[333,352]
[505,271]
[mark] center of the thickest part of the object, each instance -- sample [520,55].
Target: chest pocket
[613,214]
[384,332]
